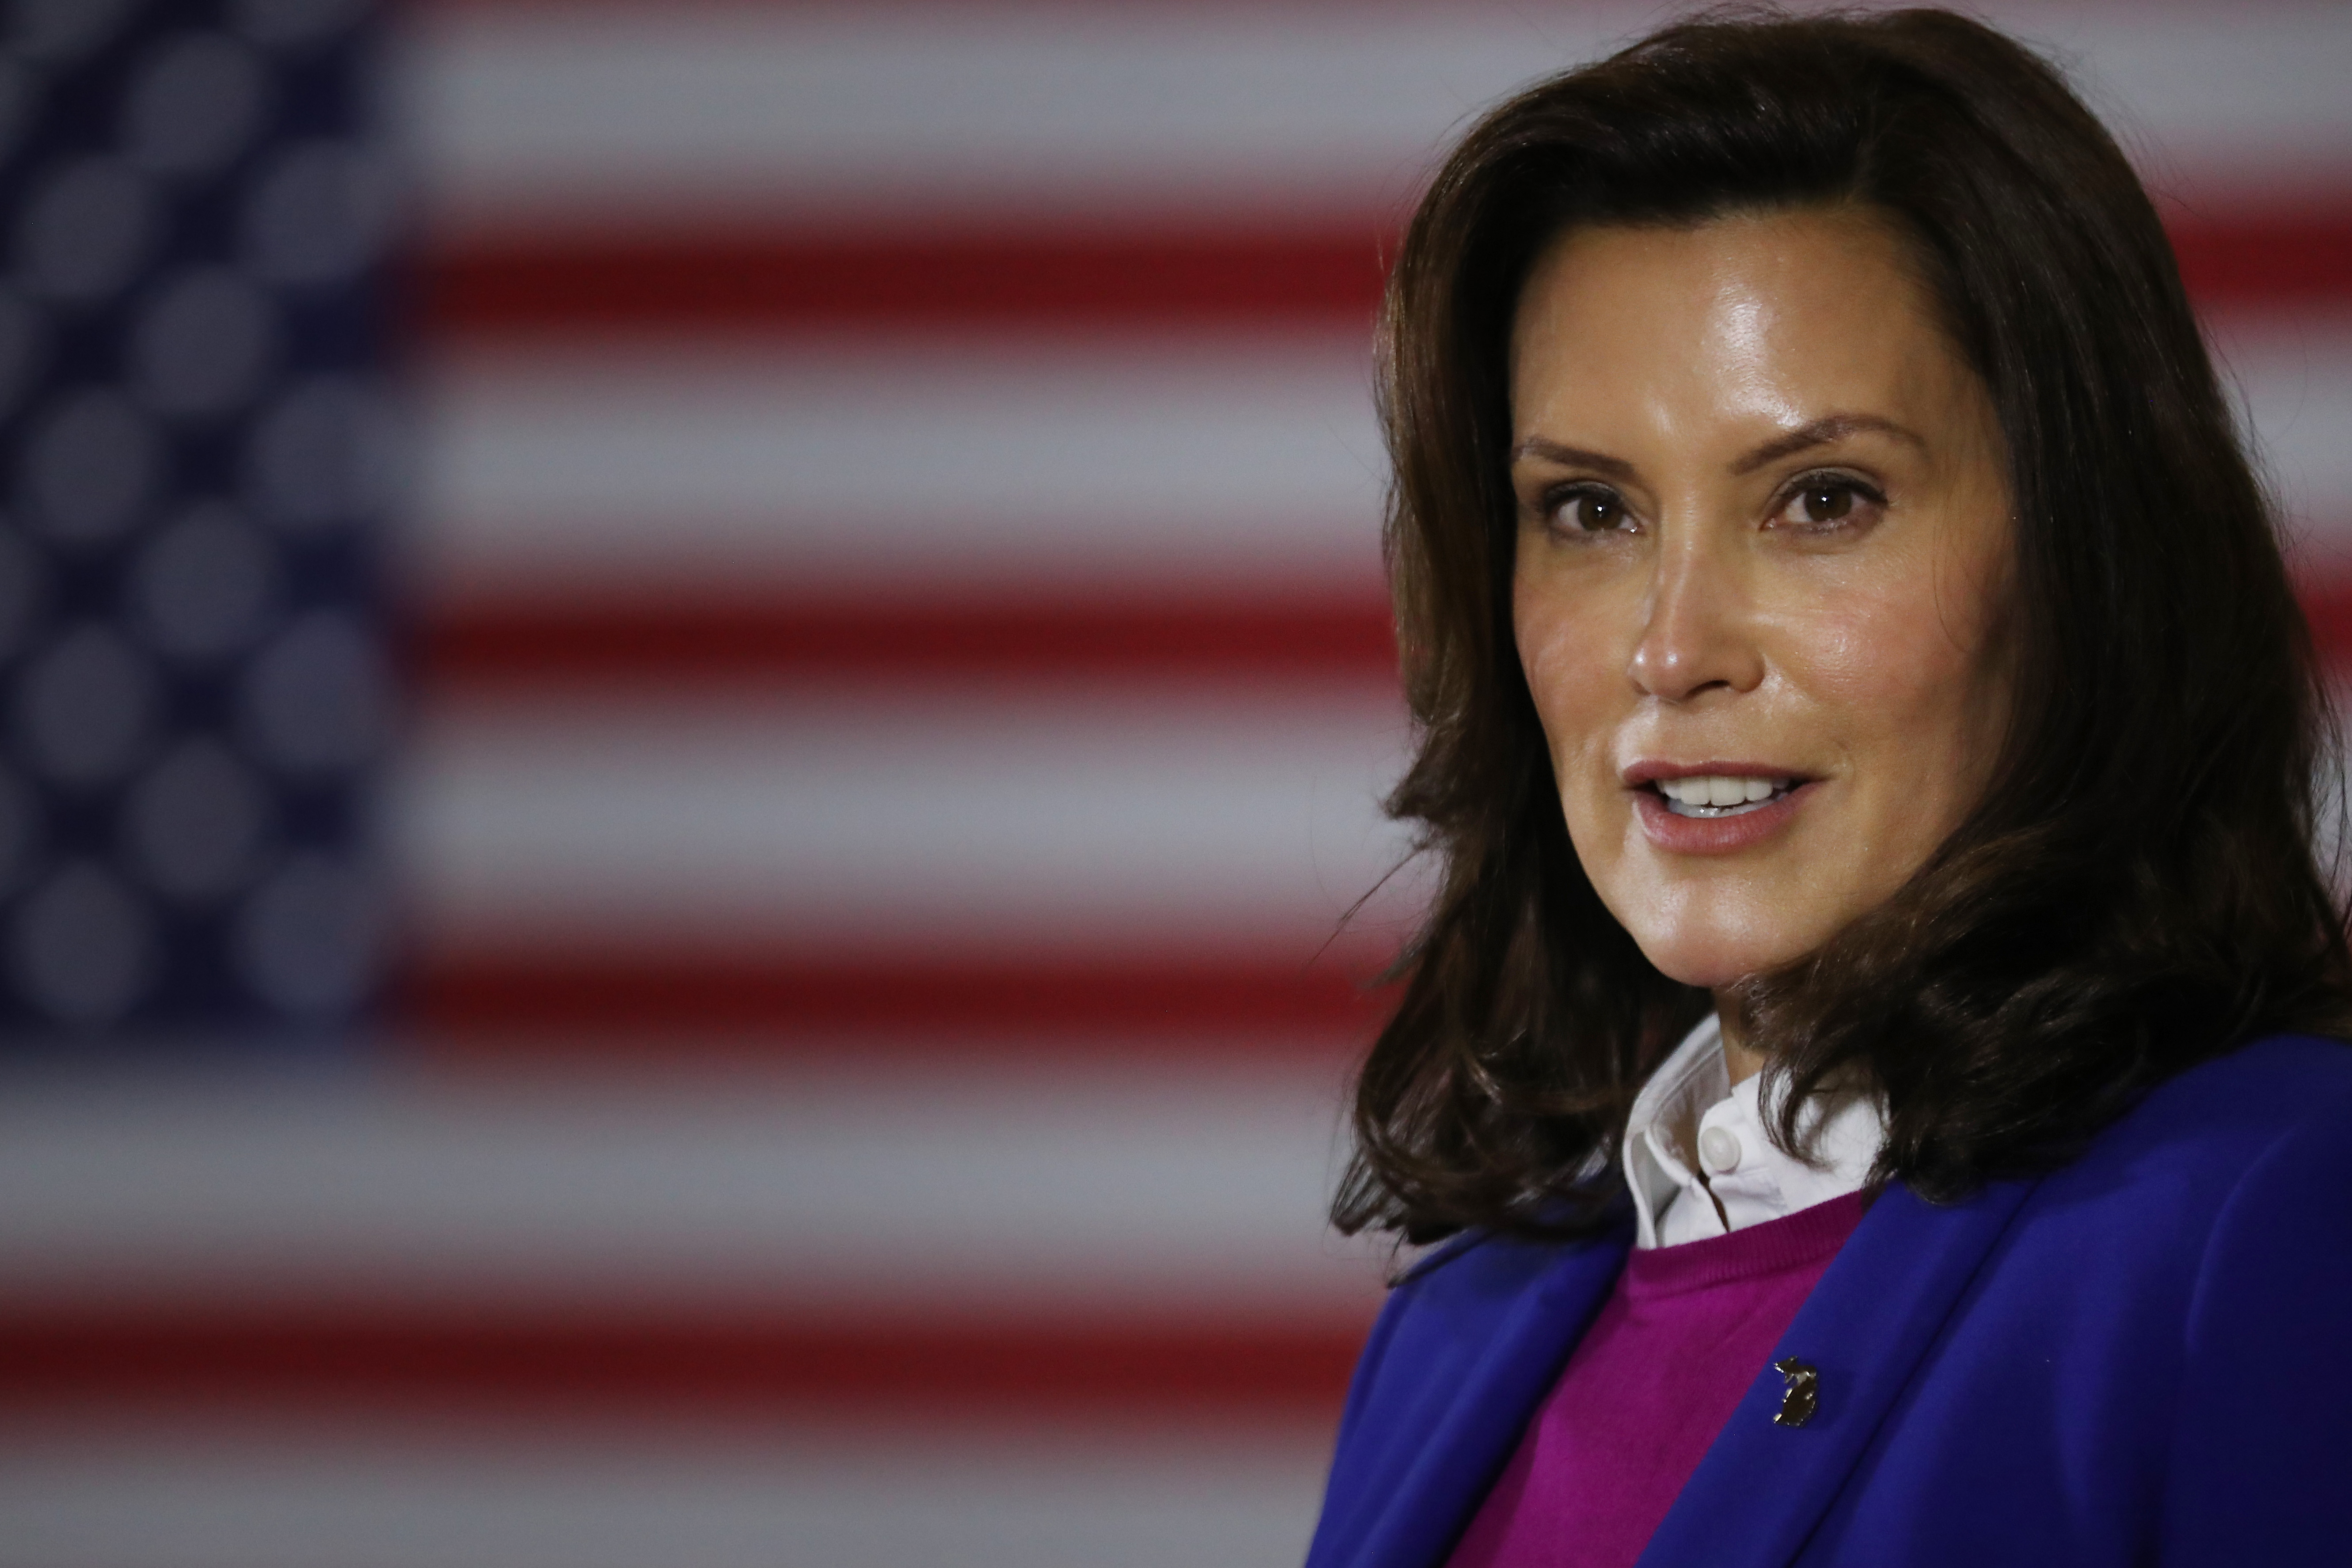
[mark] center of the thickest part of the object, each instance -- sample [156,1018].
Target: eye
[1827,502]
[1585,509]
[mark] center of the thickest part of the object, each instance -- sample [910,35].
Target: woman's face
[1764,530]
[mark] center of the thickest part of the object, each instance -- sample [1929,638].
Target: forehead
[1766,317]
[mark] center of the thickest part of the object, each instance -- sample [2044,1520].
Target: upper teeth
[1719,789]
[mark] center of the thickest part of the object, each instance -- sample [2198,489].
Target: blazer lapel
[1762,1488]
[1415,1516]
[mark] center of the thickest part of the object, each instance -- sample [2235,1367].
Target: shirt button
[1718,1150]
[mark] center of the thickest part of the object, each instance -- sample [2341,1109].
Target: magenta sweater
[1679,1340]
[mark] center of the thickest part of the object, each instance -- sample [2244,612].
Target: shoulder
[2275,1081]
[2259,1450]
[1475,1265]
[1472,1276]
[2147,1359]
[1457,1290]
[2204,1134]
[2265,1137]
[1468,1343]
[1466,1302]
[2247,1149]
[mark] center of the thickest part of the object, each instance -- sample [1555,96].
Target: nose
[1697,637]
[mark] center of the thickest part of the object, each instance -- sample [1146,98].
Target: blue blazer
[2144,1357]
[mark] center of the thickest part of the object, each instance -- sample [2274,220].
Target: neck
[1741,1063]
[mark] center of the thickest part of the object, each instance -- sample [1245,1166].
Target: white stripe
[2211,101]
[992,465]
[204,1498]
[957,465]
[939,1195]
[532,119]
[530,116]
[957,818]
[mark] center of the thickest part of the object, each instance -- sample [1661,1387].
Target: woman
[1869,1048]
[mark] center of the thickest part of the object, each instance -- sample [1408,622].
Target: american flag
[842,588]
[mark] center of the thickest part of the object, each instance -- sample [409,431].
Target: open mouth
[1721,794]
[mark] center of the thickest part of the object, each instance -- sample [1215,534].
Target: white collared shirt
[1699,1164]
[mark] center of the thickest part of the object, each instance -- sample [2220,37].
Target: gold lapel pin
[1802,1396]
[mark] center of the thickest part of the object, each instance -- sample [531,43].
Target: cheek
[1913,666]
[1575,674]
[1560,656]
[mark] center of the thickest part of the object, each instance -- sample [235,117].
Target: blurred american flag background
[692,692]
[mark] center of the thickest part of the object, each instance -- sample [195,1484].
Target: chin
[1714,953]
[1713,924]
[1708,968]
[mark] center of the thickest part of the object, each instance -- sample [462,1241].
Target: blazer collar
[1763,1487]
[1420,1512]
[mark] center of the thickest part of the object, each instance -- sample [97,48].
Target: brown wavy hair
[2136,892]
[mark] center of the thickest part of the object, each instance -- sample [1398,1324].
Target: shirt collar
[1689,1110]
[1658,1161]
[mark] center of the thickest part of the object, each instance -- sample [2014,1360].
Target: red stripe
[750,1364]
[1326,276]
[483,1002]
[1010,278]
[612,642]
[2327,607]
[2290,256]
[659,640]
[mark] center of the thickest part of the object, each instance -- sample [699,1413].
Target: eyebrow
[1816,433]
[1573,457]
[1821,432]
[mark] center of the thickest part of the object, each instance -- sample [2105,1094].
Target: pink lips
[1711,835]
